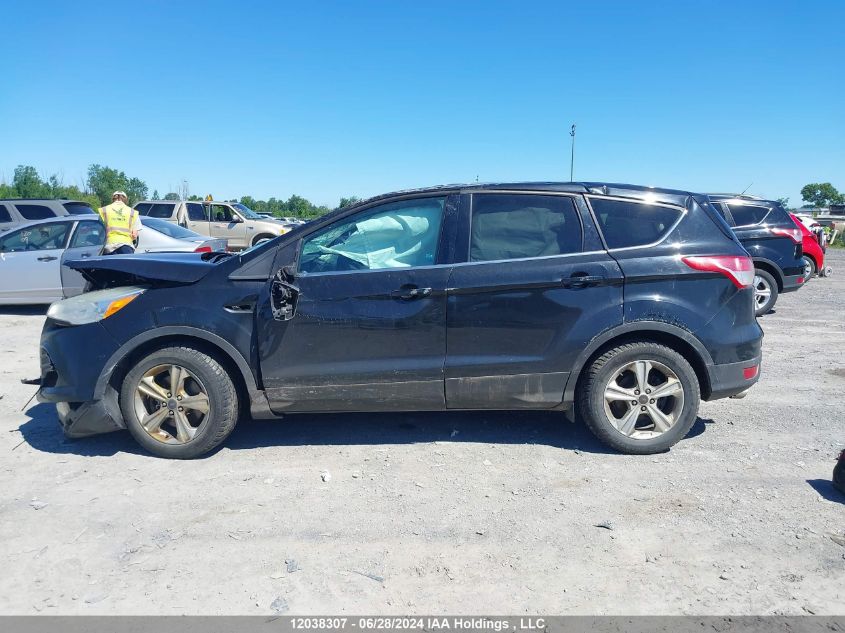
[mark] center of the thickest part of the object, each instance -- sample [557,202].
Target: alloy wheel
[762,291]
[171,403]
[644,399]
[808,269]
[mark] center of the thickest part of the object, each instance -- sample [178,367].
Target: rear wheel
[809,267]
[765,292]
[179,402]
[639,398]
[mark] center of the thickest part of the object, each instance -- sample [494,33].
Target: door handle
[85,255]
[411,293]
[581,281]
[47,258]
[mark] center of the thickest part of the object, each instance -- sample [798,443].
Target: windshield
[248,213]
[170,229]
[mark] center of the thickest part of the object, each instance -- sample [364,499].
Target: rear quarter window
[160,211]
[522,226]
[143,208]
[35,211]
[78,208]
[627,223]
[5,216]
[747,214]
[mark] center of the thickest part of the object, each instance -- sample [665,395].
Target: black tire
[264,237]
[222,413]
[591,397]
[764,308]
[810,265]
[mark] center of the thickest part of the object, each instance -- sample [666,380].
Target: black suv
[629,303]
[771,238]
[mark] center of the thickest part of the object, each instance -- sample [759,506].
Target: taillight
[738,268]
[793,234]
[203,249]
[750,372]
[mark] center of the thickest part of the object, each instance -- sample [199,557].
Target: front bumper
[72,360]
[792,283]
[88,418]
[731,379]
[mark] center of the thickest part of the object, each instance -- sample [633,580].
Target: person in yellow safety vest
[122,225]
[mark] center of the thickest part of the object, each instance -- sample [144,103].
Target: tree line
[102,181]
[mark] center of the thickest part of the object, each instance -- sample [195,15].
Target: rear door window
[196,212]
[628,223]
[747,214]
[522,226]
[78,208]
[5,216]
[35,211]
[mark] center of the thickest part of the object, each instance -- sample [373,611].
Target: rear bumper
[730,379]
[793,282]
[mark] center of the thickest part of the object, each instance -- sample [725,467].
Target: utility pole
[572,158]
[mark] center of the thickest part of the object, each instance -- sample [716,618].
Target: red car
[813,253]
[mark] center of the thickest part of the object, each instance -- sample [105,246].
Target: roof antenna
[746,189]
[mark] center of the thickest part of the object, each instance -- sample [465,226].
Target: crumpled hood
[159,269]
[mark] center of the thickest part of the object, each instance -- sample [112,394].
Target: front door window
[398,235]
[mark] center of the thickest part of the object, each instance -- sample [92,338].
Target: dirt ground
[441,513]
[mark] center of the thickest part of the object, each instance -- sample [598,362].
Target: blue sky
[325,99]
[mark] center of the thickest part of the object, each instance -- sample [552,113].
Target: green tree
[104,181]
[298,206]
[821,194]
[155,195]
[28,183]
[171,196]
[345,202]
[784,202]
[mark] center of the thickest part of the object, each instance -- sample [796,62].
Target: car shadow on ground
[825,488]
[28,310]
[549,428]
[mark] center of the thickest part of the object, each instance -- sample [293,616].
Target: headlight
[93,306]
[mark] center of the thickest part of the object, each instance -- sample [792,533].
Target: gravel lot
[444,513]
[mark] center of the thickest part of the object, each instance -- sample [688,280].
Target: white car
[32,255]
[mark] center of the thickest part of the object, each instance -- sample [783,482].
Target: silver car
[242,226]
[32,256]
[157,236]
[15,212]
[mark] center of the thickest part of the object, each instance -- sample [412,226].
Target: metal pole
[572,158]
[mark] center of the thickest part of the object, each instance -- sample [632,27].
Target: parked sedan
[159,236]
[32,256]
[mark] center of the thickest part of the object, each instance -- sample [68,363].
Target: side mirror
[284,295]
[237,219]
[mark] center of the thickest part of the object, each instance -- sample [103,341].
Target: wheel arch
[772,268]
[220,349]
[671,336]
[262,236]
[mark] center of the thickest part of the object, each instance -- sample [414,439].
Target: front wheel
[639,398]
[178,402]
[765,292]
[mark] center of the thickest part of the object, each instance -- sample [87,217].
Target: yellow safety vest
[118,220]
